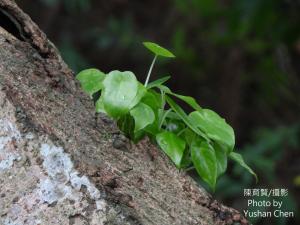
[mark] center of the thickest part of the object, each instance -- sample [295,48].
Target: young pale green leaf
[172,145]
[214,126]
[239,159]
[91,80]
[143,115]
[119,93]
[205,161]
[158,82]
[158,50]
[187,99]
[221,159]
[185,118]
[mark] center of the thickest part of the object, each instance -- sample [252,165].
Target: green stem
[150,70]
[189,168]
[180,132]
[164,117]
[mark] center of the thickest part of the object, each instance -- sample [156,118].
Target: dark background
[240,58]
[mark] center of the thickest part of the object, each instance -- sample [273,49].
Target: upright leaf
[91,80]
[239,159]
[205,162]
[119,92]
[214,126]
[158,50]
[172,145]
[143,115]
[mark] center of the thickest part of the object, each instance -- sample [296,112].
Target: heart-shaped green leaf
[91,80]
[143,115]
[172,145]
[119,93]
[158,50]
[239,159]
[158,82]
[214,126]
[205,161]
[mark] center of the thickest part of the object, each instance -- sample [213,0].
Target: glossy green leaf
[158,50]
[143,115]
[91,80]
[172,145]
[239,159]
[221,159]
[214,126]
[205,161]
[158,82]
[185,118]
[120,91]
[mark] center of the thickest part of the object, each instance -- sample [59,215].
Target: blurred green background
[240,58]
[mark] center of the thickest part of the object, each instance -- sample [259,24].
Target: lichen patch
[38,181]
[8,135]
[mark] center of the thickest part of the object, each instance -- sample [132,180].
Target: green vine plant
[200,140]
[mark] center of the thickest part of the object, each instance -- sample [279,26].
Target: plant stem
[189,168]
[150,70]
[164,117]
[180,132]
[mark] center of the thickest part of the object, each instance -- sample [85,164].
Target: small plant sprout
[201,140]
[158,51]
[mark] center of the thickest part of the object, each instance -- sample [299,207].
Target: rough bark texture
[60,166]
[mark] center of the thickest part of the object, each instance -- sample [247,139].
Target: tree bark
[58,165]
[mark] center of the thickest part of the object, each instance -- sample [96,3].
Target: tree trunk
[58,165]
